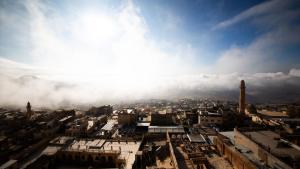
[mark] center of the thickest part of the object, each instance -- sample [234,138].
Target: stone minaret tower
[242,104]
[29,112]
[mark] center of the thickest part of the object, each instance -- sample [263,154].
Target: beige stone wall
[241,139]
[172,154]
[101,158]
[258,151]
[237,160]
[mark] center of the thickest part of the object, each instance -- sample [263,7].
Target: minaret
[29,112]
[242,104]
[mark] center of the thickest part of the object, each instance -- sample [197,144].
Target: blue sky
[177,27]
[146,47]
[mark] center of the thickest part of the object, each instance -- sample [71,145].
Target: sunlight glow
[102,48]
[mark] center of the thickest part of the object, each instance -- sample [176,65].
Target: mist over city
[21,83]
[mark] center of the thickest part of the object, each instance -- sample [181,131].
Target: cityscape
[164,84]
[186,133]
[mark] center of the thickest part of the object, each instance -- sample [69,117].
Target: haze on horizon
[56,53]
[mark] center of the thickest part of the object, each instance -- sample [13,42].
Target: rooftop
[8,164]
[86,145]
[142,124]
[60,140]
[274,114]
[165,129]
[51,150]
[125,149]
[65,118]
[196,138]
[128,150]
[277,146]
[109,125]
[219,163]
[206,113]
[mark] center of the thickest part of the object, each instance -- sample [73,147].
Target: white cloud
[295,72]
[268,52]
[98,42]
[266,8]
[262,54]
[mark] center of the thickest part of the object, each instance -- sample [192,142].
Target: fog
[21,83]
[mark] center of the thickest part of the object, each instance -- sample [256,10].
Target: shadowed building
[242,104]
[127,117]
[162,118]
[206,118]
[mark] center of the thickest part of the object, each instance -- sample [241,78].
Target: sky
[63,52]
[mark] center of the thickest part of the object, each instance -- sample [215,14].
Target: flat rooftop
[165,129]
[243,150]
[109,125]
[86,145]
[51,150]
[125,149]
[8,164]
[229,134]
[274,114]
[128,150]
[65,118]
[219,163]
[196,138]
[277,146]
[143,124]
[61,140]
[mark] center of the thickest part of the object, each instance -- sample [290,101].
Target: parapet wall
[258,150]
[232,155]
[172,154]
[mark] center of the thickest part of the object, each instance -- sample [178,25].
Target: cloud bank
[21,83]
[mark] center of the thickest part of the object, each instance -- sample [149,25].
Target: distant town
[154,134]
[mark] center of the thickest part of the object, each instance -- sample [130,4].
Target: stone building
[259,148]
[127,117]
[206,118]
[99,152]
[162,118]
